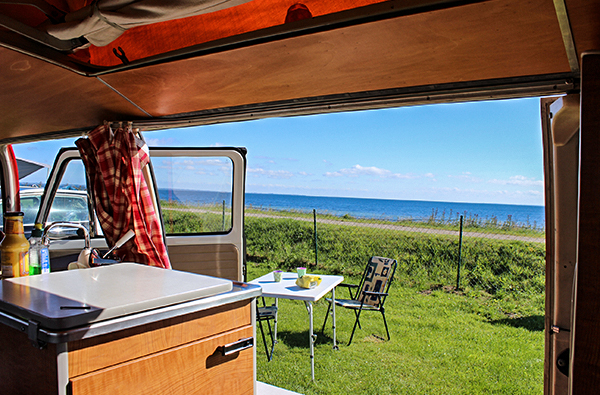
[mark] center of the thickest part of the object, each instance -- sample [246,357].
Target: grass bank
[497,267]
[441,343]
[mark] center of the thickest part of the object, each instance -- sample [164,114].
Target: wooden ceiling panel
[488,40]
[38,97]
[584,16]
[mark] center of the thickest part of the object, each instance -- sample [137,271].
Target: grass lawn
[441,343]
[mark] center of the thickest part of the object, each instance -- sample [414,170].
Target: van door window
[70,202]
[195,193]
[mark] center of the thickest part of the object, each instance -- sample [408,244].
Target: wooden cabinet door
[193,368]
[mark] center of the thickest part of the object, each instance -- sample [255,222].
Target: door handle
[240,345]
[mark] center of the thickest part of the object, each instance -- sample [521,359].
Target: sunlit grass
[441,343]
[494,266]
[470,223]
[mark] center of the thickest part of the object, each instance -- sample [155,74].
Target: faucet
[86,234]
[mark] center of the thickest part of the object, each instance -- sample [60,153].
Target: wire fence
[459,252]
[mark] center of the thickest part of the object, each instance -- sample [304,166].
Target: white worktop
[72,298]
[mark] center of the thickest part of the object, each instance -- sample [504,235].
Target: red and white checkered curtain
[114,160]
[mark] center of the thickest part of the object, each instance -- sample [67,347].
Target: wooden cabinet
[175,356]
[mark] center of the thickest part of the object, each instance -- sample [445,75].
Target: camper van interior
[67,66]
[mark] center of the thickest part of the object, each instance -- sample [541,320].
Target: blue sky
[483,152]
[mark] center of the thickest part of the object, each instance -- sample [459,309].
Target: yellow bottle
[14,249]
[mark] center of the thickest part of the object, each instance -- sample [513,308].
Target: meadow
[487,337]
[441,343]
[502,268]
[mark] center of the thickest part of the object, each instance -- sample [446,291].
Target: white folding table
[287,289]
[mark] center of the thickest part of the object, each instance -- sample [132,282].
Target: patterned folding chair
[370,293]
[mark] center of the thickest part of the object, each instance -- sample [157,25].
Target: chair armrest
[347,285]
[371,293]
[365,294]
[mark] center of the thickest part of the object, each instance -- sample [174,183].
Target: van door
[200,195]
[560,125]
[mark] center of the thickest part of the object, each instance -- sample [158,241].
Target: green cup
[277,275]
[301,271]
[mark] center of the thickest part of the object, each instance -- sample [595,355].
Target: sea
[389,209]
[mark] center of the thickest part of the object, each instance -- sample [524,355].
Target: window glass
[70,203]
[195,193]
[30,205]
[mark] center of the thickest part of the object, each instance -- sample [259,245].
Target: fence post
[223,226]
[316,245]
[460,234]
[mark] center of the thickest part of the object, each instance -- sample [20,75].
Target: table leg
[335,347]
[311,339]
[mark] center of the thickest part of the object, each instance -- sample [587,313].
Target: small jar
[14,249]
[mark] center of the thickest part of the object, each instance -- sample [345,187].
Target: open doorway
[454,192]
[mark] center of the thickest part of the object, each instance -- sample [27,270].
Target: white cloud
[269,173]
[358,170]
[486,196]
[466,176]
[160,142]
[308,190]
[194,162]
[530,193]
[213,162]
[519,181]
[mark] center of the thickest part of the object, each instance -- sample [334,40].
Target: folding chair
[370,293]
[267,313]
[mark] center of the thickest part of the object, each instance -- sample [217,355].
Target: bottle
[35,246]
[38,252]
[14,249]
[44,257]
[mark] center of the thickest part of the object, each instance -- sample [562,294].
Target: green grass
[183,219]
[498,267]
[441,343]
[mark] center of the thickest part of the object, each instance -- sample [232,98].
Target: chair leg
[357,314]
[326,316]
[355,323]
[385,323]
[264,339]
[272,341]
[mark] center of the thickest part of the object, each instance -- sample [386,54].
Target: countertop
[87,302]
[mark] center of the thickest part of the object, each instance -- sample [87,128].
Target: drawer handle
[237,346]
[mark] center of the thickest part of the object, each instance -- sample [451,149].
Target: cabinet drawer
[194,368]
[88,355]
